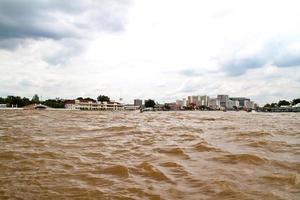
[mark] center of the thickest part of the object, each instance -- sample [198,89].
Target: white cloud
[163,50]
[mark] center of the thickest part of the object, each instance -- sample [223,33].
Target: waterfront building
[247,104]
[173,106]
[214,103]
[204,100]
[232,104]
[251,105]
[199,100]
[189,100]
[184,102]
[92,105]
[297,105]
[131,107]
[223,100]
[194,100]
[3,106]
[138,102]
[179,103]
[242,101]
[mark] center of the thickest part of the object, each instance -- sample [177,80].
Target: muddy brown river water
[153,155]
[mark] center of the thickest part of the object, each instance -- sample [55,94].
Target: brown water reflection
[159,155]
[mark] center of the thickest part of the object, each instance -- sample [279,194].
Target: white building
[131,107]
[204,100]
[194,100]
[92,105]
[184,102]
[179,103]
[296,106]
[199,100]
[214,103]
[223,100]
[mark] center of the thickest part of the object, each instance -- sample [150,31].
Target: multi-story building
[179,103]
[204,100]
[189,100]
[249,105]
[138,102]
[195,100]
[232,104]
[92,105]
[199,100]
[223,100]
[214,103]
[184,102]
[242,101]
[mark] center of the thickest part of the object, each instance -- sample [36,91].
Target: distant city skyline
[163,50]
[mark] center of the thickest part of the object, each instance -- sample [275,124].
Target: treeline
[17,101]
[282,103]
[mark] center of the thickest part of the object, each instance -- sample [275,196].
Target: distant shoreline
[66,110]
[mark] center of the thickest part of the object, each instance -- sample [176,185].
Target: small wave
[177,151]
[208,119]
[141,193]
[118,170]
[290,179]
[11,155]
[228,128]
[274,146]
[241,158]
[170,164]
[186,128]
[118,128]
[146,169]
[254,134]
[188,137]
[204,146]
[295,166]
[224,189]
[175,168]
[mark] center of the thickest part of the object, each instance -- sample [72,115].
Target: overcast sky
[161,49]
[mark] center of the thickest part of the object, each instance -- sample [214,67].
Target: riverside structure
[221,102]
[92,105]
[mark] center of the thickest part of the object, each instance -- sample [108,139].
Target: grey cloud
[21,19]
[276,53]
[70,48]
[288,59]
[238,66]
[27,83]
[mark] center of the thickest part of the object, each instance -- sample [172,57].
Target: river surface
[151,155]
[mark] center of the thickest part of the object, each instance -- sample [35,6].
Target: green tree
[89,99]
[273,105]
[283,103]
[295,101]
[26,101]
[35,99]
[267,105]
[2,100]
[103,98]
[149,103]
[55,103]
